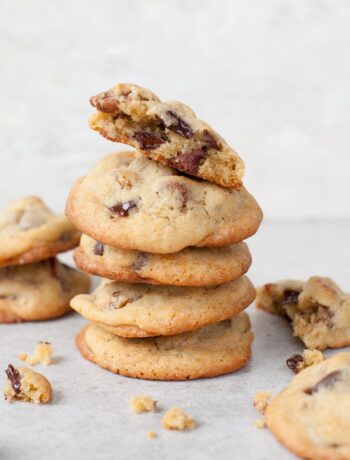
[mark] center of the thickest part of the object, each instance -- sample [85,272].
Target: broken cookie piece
[168,132]
[299,362]
[176,419]
[143,403]
[318,309]
[23,384]
[42,355]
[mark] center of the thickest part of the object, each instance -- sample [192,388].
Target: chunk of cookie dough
[214,350]
[42,355]
[130,202]
[168,132]
[176,419]
[23,384]
[39,291]
[311,417]
[30,232]
[319,311]
[141,310]
[299,362]
[189,267]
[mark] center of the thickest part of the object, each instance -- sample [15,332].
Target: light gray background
[273,78]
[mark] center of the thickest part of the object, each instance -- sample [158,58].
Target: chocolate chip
[15,378]
[150,141]
[210,141]
[327,381]
[104,102]
[99,249]
[290,297]
[180,191]
[122,209]
[179,125]
[189,161]
[294,361]
[140,261]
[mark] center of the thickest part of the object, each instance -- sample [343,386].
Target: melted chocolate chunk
[140,261]
[180,190]
[293,362]
[209,140]
[15,378]
[290,296]
[327,382]
[99,249]
[104,102]
[189,161]
[179,126]
[122,209]
[150,141]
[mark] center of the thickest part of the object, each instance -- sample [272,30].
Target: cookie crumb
[42,355]
[23,384]
[261,401]
[22,356]
[176,419]
[151,435]
[260,423]
[299,362]
[143,403]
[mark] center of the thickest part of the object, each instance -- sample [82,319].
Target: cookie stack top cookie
[33,284]
[164,225]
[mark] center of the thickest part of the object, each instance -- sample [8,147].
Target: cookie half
[311,417]
[189,267]
[168,132]
[130,202]
[213,350]
[141,310]
[30,232]
[318,309]
[38,291]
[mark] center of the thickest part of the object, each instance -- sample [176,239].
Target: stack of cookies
[34,285]
[163,225]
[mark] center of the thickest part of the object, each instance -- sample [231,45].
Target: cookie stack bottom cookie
[207,352]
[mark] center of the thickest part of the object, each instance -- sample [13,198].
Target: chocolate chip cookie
[318,309]
[311,417]
[168,132]
[189,267]
[30,232]
[24,384]
[213,350]
[38,291]
[130,202]
[141,310]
